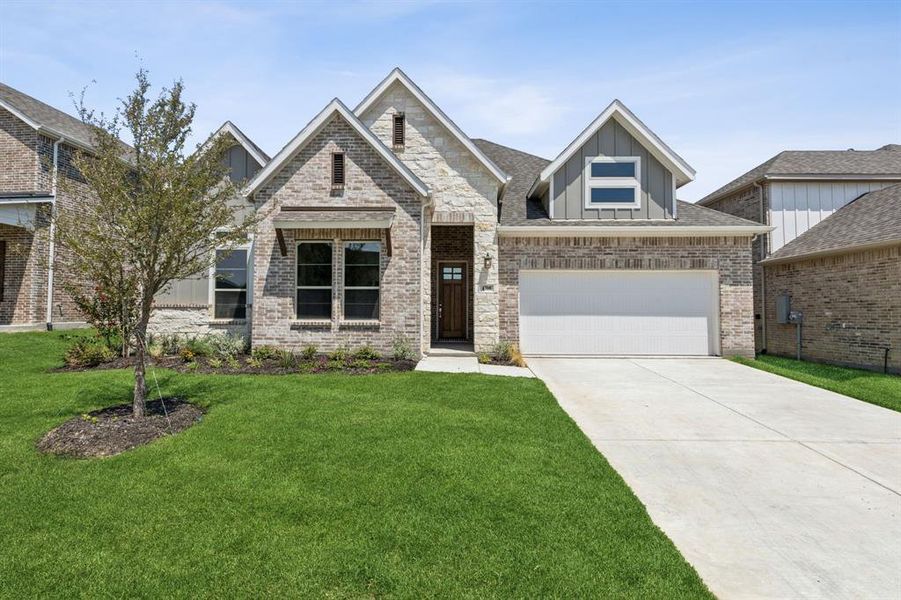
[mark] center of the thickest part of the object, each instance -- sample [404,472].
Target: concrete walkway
[468,364]
[769,487]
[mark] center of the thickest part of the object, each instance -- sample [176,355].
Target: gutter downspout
[763,247]
[52,245]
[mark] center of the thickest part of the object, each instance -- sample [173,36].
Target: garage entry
[619,312]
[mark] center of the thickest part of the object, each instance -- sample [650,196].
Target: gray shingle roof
[872,219]
[524,168]
[47,116]
[884,161]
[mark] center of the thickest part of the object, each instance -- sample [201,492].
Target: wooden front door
[452,301]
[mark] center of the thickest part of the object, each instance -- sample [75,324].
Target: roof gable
[229,128]
[335,107]
[400,77]
[681,170]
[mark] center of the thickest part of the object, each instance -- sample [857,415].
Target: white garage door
[618,312]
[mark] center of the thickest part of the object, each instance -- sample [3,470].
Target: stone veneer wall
[851,305]
[745,203]
[459,184]
[730,257]
[306,181]
[452,243]
[194,321]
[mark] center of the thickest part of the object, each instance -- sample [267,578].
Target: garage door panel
[618,312]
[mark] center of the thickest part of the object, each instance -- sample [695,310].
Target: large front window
[314,280]
[230,288]
[361,280]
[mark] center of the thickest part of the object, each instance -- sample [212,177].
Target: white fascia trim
[681,169]
[238,135]
[312,128]
[629,231]
[34,200]
[398,75]
[878,177]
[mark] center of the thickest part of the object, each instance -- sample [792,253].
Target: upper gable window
[399,130]
[613,182]
[338,169]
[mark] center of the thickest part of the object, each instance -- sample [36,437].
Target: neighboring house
[387,223]
[844,276]
[37,146]
[793,192]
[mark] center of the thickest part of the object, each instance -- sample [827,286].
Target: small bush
[254,362]
[172,344]
[265,352]
[228,344]
[502,351]
[192,366]
[187,354]
[516,356]
[89,352]
[309,352]
[341,353]
[402,348]
[334,364]
[367,352]
[286,359]
[215,363]
[155,350]
[199,346]
[232,363]
[484,358]
[361,363]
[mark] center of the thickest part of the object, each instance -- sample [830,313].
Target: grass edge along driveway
[869,386]
[389,485]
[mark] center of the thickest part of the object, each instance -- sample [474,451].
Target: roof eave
[631,231]
[777,260]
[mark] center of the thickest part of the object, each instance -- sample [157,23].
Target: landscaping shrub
[502,351]
[516,356]
[215,363]
[484,358]
[89,352]
[309,352]
[361,363]
[199,346]
[254,362]
[187,354]
[265,352]
[339,354]
[228,344]
[402,348]
[286,359]
[367,352]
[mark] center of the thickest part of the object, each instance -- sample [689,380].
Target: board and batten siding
[612,139]
[796,206]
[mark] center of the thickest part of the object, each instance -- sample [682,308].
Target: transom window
[314,280]
[230,286]
[361,280]
[613,182]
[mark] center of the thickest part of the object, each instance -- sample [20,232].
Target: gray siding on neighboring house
[612,140]
[194,291]
[243,166]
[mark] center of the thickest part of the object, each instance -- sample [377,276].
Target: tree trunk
[140,382]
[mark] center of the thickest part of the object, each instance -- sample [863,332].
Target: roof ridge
[510,148]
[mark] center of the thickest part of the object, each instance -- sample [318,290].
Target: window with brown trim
[338,169]
[2,267]
[399,125]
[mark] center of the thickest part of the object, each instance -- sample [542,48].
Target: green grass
[398,485]
[875,388]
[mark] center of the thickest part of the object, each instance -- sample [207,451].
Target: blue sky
[726,84]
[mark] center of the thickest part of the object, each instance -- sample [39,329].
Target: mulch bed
[241,366]
[113,430]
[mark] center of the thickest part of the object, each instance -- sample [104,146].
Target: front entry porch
[452,286]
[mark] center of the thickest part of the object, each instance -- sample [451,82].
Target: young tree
[158,214]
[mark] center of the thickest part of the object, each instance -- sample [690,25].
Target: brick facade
[746,203]
[306,181]
[730,257]
[851,305]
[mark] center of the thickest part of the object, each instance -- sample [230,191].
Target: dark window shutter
[338,168]
[2,267]
[399,130]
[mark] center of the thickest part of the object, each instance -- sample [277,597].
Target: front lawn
[397,484]
[875,388]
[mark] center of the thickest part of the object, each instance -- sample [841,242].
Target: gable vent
[338,169]
[399,130]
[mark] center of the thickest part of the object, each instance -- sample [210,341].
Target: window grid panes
[230,286]
[361,280]
[314,280]
[452,273]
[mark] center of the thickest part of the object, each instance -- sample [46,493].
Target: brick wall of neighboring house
[306,181]
[731,257]
[18,143]
[851,305]
[745,203]
[452,243]
[460,184]
[21,298]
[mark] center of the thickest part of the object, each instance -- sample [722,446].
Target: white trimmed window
[230,284]
[314,280]
[361,280]
[613,182]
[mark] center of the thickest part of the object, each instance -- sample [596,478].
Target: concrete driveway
[769,487]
